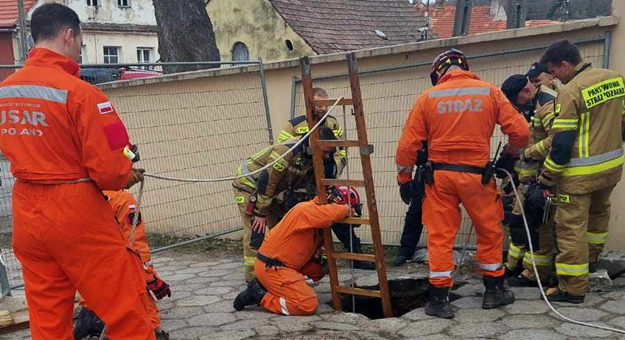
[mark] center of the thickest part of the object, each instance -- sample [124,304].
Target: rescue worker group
[73,217]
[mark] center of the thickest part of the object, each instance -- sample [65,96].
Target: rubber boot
[365,265]
[400,260]
[439,305]
[252,295]
[495,294]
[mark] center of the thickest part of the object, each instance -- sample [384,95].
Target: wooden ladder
[365,150]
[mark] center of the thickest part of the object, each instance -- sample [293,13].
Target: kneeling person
[124,206]
[287,256]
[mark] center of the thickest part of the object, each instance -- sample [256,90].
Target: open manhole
[406,295]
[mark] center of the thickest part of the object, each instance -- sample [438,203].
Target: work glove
[405,192]
[159,288]
[545,183]
[137,176]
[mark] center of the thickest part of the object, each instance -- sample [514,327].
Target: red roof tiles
[481,21]
[8,11]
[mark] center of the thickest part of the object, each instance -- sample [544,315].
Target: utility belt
[429,168]
[71,181]
[269,262]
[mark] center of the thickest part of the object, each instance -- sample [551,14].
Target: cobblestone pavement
[203,289]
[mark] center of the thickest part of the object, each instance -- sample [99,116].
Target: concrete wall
[256,24]
[140,12]
[389,95]
[94,43]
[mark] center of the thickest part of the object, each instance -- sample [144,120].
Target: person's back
[43,114]
[461,113]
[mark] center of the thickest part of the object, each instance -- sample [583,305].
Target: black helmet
[445,60]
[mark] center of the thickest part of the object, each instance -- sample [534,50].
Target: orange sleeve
[322,215]
[103,138]
[412,137]
[512,122]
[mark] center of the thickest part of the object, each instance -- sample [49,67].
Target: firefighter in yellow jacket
[257,195]
[585,162]
[537,103]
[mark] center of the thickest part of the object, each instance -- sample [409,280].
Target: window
[145,55]
[240,52]
[83,54]
[123,3]
[93,3]
[111,55]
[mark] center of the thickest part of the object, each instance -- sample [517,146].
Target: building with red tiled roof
[8,32]
[483,20]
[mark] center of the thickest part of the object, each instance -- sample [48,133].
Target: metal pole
[294,83]
[263,84]
[22,31]
[607,42]
[5,287]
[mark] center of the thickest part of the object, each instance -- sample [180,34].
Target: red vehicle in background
[104,75]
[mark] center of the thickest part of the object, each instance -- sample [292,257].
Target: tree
[185,34]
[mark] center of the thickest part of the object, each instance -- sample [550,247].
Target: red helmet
[349,195]
[446,59]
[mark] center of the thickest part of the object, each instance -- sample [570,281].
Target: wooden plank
[339,143]
[339,182]
[330,102]
[361,129]
[319,171]
[357,220]
[358,291]
[355,256]
[21,322]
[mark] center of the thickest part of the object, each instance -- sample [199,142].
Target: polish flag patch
[105,108]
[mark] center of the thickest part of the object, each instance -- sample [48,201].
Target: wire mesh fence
[388,97]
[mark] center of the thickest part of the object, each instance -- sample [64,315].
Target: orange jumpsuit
[295,241]
[56,129]
[124,206]
[457,118]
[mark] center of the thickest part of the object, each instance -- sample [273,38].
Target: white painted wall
[141,12]
[95,41]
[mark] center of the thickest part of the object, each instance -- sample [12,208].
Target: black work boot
[439,303]
[252,295]
[495,294]
[513,272]
[365,265]
[161,334]
[87,324]
[522,281]
[592,267]
[400,260]
[557,295]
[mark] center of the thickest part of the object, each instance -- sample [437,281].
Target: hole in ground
[406,295]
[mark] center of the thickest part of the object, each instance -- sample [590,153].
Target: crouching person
[287,257]
[124,207]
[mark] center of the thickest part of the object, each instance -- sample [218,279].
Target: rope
[540,286]
[226,179]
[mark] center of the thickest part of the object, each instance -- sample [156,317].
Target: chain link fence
[388,96]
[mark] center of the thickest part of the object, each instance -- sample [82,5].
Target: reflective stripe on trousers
[572,269]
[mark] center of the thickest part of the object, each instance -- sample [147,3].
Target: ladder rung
[358,291]
[354,256]
[344,143]
[338,182]
[356,220]
[330,102]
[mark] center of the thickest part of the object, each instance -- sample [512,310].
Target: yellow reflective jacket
[291,172]
[588,130]
[298,126]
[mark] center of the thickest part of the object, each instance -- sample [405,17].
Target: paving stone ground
[203,288]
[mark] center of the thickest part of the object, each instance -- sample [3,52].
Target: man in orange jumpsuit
[457,117]
[290,255]
[66,144]
[125,208]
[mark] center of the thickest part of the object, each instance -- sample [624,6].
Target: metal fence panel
[388,96]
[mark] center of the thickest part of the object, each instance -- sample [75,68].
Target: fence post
[5,287]
[263,84]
